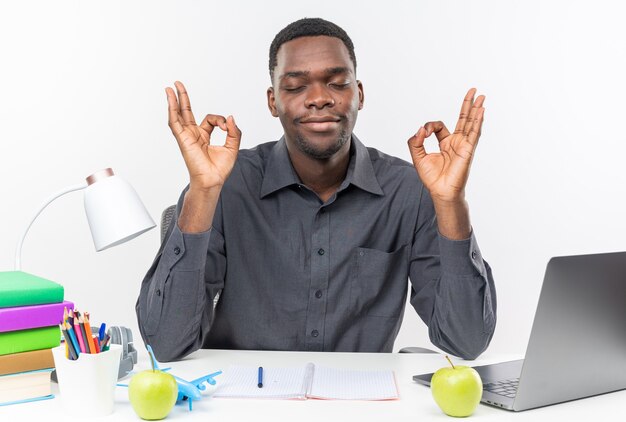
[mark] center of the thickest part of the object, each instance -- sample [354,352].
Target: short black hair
[309,27]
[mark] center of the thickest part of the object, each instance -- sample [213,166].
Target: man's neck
[322,176]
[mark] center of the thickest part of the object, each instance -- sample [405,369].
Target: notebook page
[343,384]
[278,383]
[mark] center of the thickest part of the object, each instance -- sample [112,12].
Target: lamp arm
[18,251]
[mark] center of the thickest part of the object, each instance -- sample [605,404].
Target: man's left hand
[445,173]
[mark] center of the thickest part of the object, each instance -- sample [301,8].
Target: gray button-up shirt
[294,273]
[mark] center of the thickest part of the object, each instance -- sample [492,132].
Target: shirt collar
[279,172]
[360,170]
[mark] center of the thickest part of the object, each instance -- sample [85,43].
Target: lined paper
[310,381]
[343,384]
[278,383]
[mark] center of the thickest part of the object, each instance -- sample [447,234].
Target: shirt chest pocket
[379,282]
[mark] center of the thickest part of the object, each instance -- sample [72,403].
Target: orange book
[26,361]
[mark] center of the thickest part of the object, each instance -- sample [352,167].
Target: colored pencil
[83,332]
[70,332]
[107,343]
[104,341]
[96,344]
[68,344]
[84,335]
[79,336]
[92,346]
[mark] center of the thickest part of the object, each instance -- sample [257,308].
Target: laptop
[577,345]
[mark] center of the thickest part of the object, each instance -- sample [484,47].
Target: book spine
[35,316]
[309,373]
[26,361]
[27,298]
[26,340]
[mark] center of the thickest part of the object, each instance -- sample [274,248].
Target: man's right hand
[208,165]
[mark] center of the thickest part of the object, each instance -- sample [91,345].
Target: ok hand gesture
[209,165]
[445,173]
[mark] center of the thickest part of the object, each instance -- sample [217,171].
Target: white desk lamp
[115,215]
[114,211]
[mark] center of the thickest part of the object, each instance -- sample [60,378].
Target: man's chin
[321,149]
[320,154]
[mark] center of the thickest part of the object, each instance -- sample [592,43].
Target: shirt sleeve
[453,289]
[176,301]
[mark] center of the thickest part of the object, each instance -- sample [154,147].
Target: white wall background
[82,89]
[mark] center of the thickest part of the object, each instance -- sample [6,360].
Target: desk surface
[415,404]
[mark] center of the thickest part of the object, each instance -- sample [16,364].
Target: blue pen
[260,384]
[103,327]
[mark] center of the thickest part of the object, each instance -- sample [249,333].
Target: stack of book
[31,309]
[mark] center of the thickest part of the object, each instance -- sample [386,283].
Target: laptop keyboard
[507,388]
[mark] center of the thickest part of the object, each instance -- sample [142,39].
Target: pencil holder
[87,385]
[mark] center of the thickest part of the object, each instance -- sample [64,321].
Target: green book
[18,288]
[26,340]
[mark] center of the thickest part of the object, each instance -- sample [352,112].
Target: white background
[83,89]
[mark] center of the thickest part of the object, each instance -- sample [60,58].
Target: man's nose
[318,96]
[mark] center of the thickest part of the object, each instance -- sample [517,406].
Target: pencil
[92,346]
[70,332]
[103,342]
[68,344]
[79,336]
[86,338]
[107,343]
[96,344]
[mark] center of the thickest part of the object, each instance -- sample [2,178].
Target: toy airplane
[187,390]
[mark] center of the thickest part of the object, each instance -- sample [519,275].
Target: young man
[308,242]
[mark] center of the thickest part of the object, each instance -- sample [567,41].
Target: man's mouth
[320,123]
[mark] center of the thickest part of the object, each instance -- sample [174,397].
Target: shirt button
[318,294]
[320,251]
[315,333]
[473,254]
[176,250]
[158,292]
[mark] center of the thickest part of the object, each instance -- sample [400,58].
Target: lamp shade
[114,211]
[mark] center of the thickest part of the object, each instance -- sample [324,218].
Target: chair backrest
[166,219]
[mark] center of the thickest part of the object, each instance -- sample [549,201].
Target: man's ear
[271,101]
[361,94]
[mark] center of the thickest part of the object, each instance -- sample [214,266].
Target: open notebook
[310,381]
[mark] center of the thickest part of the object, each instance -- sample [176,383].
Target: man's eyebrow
[295,74]
[338,70]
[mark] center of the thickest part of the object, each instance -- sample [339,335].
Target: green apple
[152,394]
[457,390]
